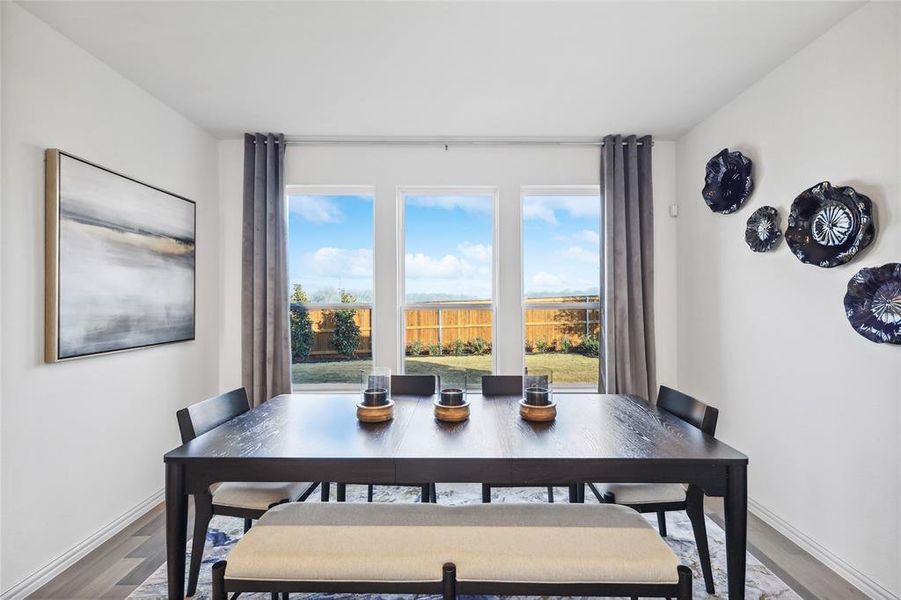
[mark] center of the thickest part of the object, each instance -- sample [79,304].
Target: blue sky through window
[561,245]
[448,247]
[330,245]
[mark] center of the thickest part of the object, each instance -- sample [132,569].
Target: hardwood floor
[120,565]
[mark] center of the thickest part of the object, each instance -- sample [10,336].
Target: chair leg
[449,582]
[340,492]
[203,512]
[274,596]
[425,493]
[694,506]
[550,494]
[433,493]
[370,492]
[219,581]
[685,591]
[661,522]
[486,493]
[325,490]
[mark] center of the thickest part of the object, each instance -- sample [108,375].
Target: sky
[448,242]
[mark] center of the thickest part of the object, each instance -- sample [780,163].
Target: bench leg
[449,582]
[684,583]
[325,490]
[486,493]
[370,492]
[661,523]
[219,581]
[340,492]
[247,524]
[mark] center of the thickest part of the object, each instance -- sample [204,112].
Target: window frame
[592,190]
[337,190]
[401,244]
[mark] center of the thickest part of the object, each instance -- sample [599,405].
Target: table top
[589,428]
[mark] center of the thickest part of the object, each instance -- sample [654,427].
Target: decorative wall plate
[728,181]
[873,303]
[762,232]
[828,226]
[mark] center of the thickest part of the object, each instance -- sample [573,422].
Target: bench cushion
[644,493]
[527,543]
[255,495]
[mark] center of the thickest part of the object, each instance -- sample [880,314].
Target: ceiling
[443,68]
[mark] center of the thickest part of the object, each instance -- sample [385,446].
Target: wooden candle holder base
[538,413]
[375,414]
[451,413]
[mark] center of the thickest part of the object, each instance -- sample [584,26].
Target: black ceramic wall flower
[828,226]
[873,303]
[762,232]
[728,181]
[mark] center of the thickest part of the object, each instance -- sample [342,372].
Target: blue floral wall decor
[828,226]
[873,303]
[728,182]
[762,232]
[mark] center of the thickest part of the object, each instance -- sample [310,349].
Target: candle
[452,396]
[537,396]
[375,397]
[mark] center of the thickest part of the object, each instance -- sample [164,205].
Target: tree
[347,336]
[302,336]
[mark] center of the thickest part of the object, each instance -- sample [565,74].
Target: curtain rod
[311,140]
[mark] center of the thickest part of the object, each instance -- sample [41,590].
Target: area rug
[225,531]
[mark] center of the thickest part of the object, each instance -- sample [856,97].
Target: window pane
[330,262]
[447,247]
[441,341]
[561,248]
[562,266]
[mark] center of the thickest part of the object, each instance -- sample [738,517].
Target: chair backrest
[501,385]
[688,409]
[199,418]
[413,385]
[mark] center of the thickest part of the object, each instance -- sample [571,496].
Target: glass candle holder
[538,387]
[453,388]
[375,386]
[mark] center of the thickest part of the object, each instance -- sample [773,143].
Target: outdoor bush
[435,350]
[416,348]
[478,346]
[541,345]
[301,333]
[589,346]
[455,348]
[347,336]
[530,347]
[566,345]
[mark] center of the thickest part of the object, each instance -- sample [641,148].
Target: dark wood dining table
[595,438]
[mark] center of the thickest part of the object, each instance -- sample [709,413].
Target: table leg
[176,529]
[736,509]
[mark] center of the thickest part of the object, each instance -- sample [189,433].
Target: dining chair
[661,498]
[504,385]
[404,385]
[246,500]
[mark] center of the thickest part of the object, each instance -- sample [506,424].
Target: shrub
[589,346]
[530,347]
[415,348]
[541,345]
[347,336]
[301,333]
[478,346]
[435,350]
[455,348]
[566,345]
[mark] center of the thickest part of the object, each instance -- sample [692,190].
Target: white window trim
[338,190]
[402,307]
[561,190]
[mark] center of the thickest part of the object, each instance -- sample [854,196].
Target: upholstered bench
[505,549]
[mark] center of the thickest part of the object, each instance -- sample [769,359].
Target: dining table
[594,438]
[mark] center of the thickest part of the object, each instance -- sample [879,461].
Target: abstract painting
[120,262]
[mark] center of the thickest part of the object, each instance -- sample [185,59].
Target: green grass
[566,368]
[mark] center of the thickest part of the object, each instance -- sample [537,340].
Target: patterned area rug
[225,531]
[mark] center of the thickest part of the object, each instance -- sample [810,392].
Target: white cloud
[543,279]
[315,209]
[545,208]
[476,252]
[580,254]
[343,262]
[588,236]
[470,204]
[421,266]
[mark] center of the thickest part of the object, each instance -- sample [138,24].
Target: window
[561,240]
[330,267]
[448,281]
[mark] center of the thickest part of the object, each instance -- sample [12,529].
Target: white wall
[82,441]
[386,168]
[765,338]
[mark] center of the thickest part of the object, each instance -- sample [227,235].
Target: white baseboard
[65,560]
[859,580]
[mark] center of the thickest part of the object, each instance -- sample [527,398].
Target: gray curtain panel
[266,351]
[628,267]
